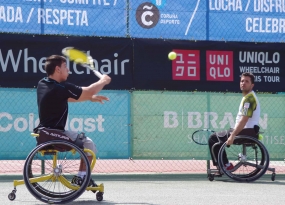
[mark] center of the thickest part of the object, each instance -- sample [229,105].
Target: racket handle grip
[98,74]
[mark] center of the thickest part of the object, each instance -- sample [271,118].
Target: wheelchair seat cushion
[46,135]
[246,132]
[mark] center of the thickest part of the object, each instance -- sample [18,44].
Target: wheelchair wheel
[48,172]
[249,157]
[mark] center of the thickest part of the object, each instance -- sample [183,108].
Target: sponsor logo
[159,3]
[59,136]
[22,61]
[27,122]
[186,66]
[246,105]
[197,120]
[219,66]
[147,15]
[266,66]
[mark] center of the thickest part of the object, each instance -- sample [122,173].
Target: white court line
[190,22]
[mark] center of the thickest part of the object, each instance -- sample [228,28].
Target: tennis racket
[81,58]
[201,137]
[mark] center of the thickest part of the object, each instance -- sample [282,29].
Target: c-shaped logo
[147,15]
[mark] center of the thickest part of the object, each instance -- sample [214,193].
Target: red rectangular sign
[186,66]
[219,66]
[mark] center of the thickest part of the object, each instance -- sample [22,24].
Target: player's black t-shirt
[53,102]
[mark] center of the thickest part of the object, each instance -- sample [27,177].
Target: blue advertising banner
[106,125]
[22,59]
[218,20]
[180,19]
[238,20]
[247,20]
[69,17]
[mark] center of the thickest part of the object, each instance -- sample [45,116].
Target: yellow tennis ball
[172,55]
[260,137]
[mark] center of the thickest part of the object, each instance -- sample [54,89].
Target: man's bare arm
[91,90]
[238,129]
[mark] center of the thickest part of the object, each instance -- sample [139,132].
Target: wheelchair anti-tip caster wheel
[99,196]
[211,177]
[273,176]
[12,196]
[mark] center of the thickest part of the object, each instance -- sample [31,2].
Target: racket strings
[81,58]
[77,56]
[202,137]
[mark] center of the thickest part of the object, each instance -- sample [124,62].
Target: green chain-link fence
[141,131]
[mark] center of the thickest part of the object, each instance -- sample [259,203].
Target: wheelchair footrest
[271,169]
[99,188]
[216,172]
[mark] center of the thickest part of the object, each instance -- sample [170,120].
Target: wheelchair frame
[57,165]
[248,167]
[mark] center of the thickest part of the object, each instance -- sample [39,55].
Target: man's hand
[99,98]
[230,140]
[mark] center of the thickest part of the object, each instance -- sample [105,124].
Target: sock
[81,174]
[228,164]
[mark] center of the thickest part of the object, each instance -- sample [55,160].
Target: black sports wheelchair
[51,166]
[248,155]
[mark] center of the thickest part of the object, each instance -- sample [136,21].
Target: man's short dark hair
[52,62]
[249,75]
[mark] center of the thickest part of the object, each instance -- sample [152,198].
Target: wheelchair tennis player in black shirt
[53,95]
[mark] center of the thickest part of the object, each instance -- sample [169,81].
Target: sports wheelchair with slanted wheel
[249,157]
[49,169]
